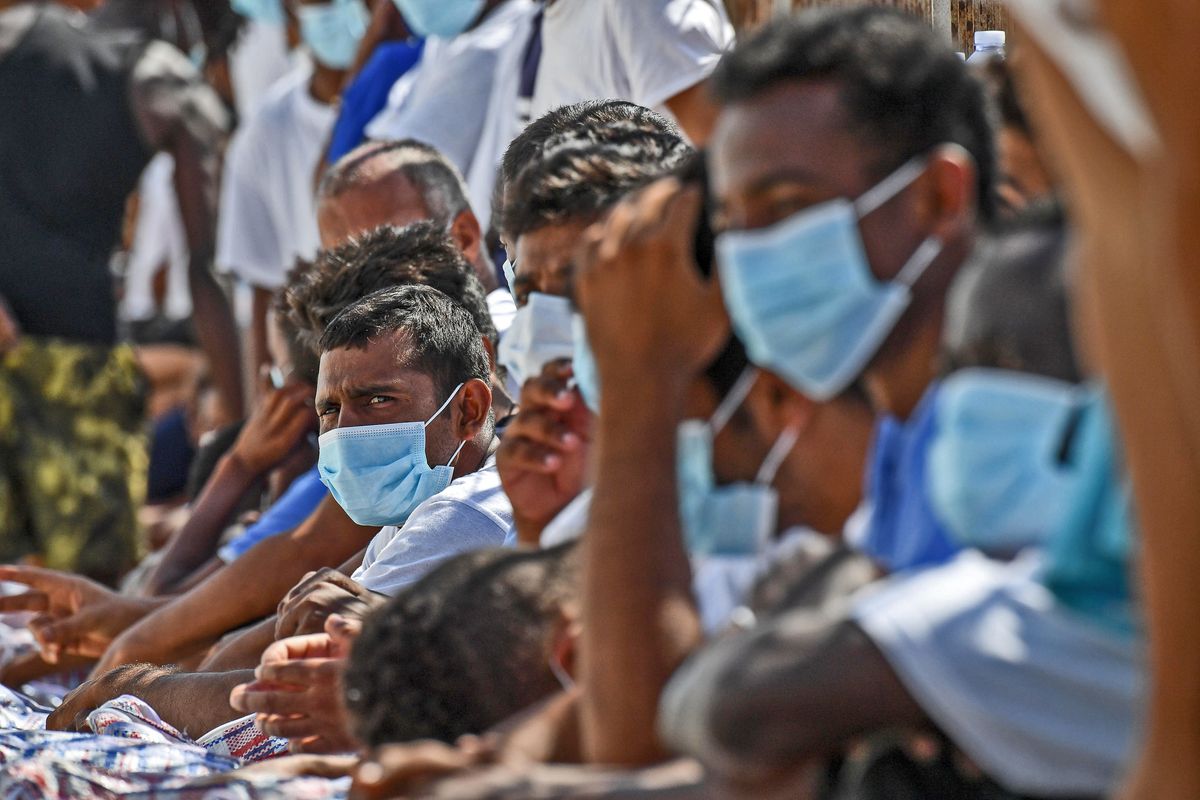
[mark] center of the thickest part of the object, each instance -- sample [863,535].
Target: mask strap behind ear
[560,673]
[454,457]
[890,186]
[737,396]
[442,408]
[779,451]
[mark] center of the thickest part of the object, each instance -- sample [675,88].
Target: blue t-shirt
[903,531]
[367,94]
[293,507]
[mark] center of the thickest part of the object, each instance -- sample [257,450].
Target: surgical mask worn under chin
[801,294]
[445,18]
[997,475]
[333,30]
[541,332]
[379,473]
[736,519]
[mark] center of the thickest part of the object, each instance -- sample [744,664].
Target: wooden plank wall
[959,18]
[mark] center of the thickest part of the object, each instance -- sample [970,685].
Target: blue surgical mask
[445,18]
[333,30]
[269,12]
[379,473]
[801,294]
[736,519]
[541,332]
[996,473]
[583,365]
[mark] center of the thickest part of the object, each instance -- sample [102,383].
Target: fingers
[545,429]
[34,600]
[295,648]
[298,726]
[37,577]
[255,698]
[307,673]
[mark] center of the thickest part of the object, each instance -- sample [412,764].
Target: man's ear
[567,631]
[948,202]
[467,235]
[474,405]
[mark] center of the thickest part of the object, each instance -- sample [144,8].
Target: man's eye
[378,399]
[326,411]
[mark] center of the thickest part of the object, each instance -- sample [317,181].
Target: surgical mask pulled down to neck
[333,30]
[998,474]
[541,332]
[445,18]
[801,294]
[379,473]
[736,519]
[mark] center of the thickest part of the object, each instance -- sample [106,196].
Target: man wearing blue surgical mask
[267,214]
[850,170]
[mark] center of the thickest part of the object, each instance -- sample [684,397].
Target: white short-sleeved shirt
[1041,698]
[462,98]
[159,241]
[471,513]
[644,51]
[268,212]
[257,59]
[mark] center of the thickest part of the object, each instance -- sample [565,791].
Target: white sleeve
[437,530]
[247,232]
[668,46]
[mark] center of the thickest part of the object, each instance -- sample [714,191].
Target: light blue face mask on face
[333,30]
[801,294]
[736,519]
[583,365]
[541,332]
[379,473]
[269,12]
[445,18]
[996,473]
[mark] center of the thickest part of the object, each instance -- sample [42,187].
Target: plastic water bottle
[988,45]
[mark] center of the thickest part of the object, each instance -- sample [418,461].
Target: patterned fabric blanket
[135,754]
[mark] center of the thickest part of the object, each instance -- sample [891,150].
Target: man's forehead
[798,128]
[383,359]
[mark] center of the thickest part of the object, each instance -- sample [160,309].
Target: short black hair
[590,118]
[421,253]
[437,179]
[304,358]
[904,90]
[463,649]
[443,340]
[1009,306]
[580,178]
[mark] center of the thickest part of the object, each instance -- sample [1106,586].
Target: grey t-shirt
[470,514]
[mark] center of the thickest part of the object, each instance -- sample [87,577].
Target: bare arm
[640,619]
[248,589]
[753,708]
[178,113]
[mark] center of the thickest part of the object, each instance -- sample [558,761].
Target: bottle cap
[989,39]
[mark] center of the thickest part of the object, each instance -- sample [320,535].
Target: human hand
[134,679]
[652,318]
[76,615]
[309,604]
[297,691]
[10,331]
[397,770]
[277,426]
[543,454]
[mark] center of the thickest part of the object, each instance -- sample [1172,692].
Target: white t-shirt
[462,98]
[258,59]
[471,513]
[159,241]
[644,51]
[268,212]
[1042,699]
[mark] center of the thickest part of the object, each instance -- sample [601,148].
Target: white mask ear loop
[775,457]
[920,260]
[737,396]
[454,457]
[560,674]
[443,406]
[890,186]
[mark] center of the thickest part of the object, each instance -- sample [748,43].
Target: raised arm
[640,619]
[179,114]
